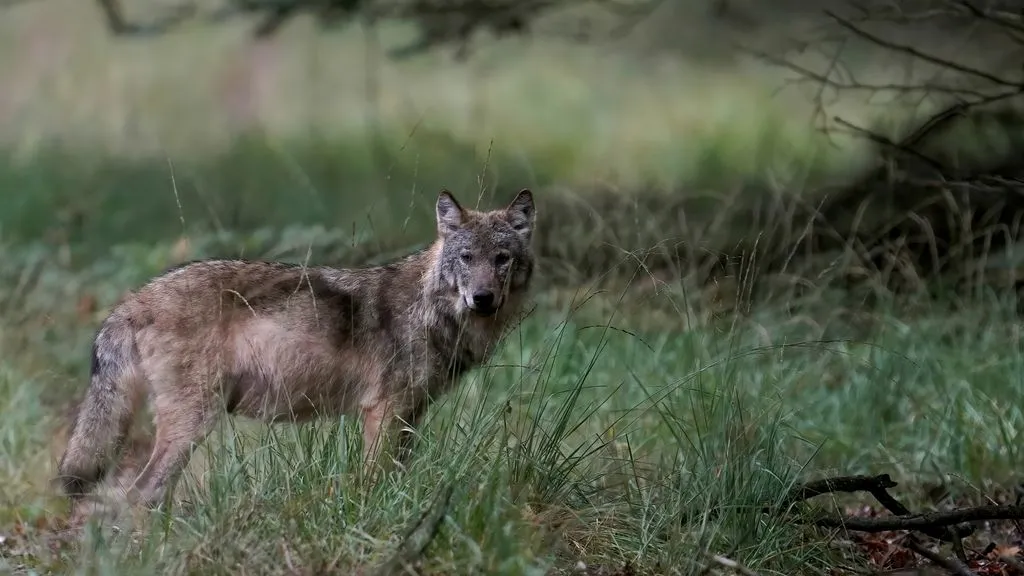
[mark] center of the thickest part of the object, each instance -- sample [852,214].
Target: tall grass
[596,436]
[549,461]
[621,423]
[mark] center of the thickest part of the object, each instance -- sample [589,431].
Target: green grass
[619,424]
[315,130]
[613,427]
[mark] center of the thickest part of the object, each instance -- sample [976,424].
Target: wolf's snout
[483,302]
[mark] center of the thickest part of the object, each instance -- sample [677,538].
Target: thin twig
[986,16]
[945,116]
[920,55]
[879,139]
[860,86]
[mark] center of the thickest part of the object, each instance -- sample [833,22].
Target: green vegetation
[636,417]
[609,430]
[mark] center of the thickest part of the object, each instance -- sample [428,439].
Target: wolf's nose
[483,300]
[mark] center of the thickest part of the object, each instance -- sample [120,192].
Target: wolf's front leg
[409,430]
[377,415]
[389,424]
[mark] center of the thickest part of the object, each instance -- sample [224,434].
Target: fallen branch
[923,522]
[878,487]
[952,565]
[814,488]
[943,525]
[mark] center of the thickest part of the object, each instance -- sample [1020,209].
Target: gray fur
[274,342]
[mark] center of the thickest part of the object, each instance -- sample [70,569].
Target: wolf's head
[485,256]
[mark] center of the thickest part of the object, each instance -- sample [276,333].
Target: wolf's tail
[105,416]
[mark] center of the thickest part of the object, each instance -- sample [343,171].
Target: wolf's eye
[466,257]
[501,259]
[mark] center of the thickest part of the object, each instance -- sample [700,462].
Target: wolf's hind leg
[181,422]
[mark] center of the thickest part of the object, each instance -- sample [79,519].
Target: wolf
[282,342]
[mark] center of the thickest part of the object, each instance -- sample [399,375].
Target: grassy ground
[623,426]
[625,422]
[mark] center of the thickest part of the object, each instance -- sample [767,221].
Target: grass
[614,427]
[624,422]
[318,130]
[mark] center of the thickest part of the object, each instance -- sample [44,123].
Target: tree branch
[952,565]
[824,79]
[922,521]
[921,55]
[945,116]
[878,487]
[888,143]
[809,490]
[986,16]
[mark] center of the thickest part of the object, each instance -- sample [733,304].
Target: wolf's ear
[449,214]
[521,214]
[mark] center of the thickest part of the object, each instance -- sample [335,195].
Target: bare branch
[923,521]
[921,55]
[959,109]
[952,565]
[814,488]
[879,139]
[974,99]
[878,487]
[924,87]
[997,20]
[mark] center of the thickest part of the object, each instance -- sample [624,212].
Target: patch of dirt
[28,547]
